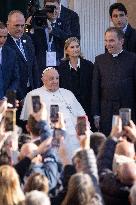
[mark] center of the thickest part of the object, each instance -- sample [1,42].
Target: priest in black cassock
[114,81]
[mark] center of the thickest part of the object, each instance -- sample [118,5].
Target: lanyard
[49,42]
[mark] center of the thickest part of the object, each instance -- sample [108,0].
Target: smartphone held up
[81,125]
[10,120]
[54,113]
[125,114]
[36,104]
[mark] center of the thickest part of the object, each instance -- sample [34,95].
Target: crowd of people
[62,139]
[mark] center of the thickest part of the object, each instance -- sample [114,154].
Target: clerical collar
[125,28]
[116,54]
[78,65]
[49,90]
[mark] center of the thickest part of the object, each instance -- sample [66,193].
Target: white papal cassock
[68,105]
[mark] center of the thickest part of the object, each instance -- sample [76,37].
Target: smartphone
[11,97]
[36,103]
[115,120]
[81,125]
[10,120]
[57,136]
[125,114]
[54,116]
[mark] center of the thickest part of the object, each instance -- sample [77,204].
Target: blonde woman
[81,191]
[76,73]
[11,193]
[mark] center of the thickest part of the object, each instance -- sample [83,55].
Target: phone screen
[10,119]
[57,136]
[11,97]
[36,103]
[81,125]
[54,109]
[125,114]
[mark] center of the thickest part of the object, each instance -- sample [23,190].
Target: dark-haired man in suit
[119,17]
[8,64]
[62,23]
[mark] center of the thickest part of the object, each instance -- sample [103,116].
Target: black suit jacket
[86,73]
[27,69]
[66,26]
[9,69]
[114,86]
[130,39]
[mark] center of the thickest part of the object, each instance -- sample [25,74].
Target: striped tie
[20,46]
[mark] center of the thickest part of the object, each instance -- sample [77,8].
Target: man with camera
[114,80]
[61,23]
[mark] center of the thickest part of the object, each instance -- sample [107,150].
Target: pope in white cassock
[51,94]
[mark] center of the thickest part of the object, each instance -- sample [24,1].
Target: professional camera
[39,17]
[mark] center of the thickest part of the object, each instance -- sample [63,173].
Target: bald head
[125,148]
[16,24]
[27,149]
[127,173]
[50,79]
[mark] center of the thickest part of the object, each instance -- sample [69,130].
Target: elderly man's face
[16,24]
[51,80]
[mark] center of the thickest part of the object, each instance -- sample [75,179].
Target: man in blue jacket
[8,64]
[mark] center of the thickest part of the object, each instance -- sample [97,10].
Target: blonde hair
[67,43]
[11,193]
[38,182]
[80,190]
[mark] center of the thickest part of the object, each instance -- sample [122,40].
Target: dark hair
[2,25]
[23,138]
[5,159]
[118,31]
[118,6]
[52,1]
[96,141]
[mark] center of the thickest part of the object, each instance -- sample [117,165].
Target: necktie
[18,42]
[1,83]
[20,46]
